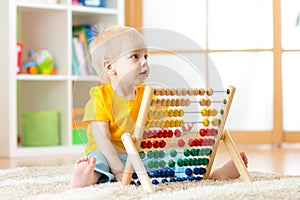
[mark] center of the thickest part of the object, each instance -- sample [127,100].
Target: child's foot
[228,170]
[83,172]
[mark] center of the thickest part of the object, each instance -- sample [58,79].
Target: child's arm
[102,138]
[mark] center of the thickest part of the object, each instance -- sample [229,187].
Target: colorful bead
[171,163]
[142,154]
[177,133]
[181,142]
[173,153]
[188,171]
[155,182]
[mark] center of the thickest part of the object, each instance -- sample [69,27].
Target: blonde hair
[110,44]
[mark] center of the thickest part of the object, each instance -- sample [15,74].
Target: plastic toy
[31,64]
[40,62]
[44,61]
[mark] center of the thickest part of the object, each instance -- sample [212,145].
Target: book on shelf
[81,61]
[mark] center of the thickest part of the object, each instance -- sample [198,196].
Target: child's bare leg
[228,170]
[83,172]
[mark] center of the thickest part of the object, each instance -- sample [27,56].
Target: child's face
[132,67]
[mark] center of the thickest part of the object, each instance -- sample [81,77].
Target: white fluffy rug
[52,183]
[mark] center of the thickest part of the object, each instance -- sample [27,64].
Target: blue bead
[172,179]
[196,171]
[172,172]
[188,171]
[164,180]
[138,182]
[202,170]
[132,182]
[134,176]
[155,182]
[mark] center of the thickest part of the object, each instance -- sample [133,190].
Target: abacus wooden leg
[235,155]
[134,159]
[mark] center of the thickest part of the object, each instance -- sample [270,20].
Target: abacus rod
[138,131]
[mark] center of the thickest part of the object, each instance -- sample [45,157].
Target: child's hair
[111,43]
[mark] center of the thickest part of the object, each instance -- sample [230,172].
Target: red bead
[202,132]
[156,144]
[200,141]
[149,144]
[191,142]
[197,142]
[177,133]
[214,132]
[143,144]
[165,133]
[181,142]
[145,134]
[170,133]
[208,132]
[162,143]
[211,142]
[160,134]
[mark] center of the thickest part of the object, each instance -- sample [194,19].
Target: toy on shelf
[19,55]
[40,62]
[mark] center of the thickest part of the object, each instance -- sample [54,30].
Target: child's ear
[108,67]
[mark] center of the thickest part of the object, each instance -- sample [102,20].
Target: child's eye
[136,56]
[146,57]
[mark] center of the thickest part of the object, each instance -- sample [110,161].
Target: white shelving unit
[49,26]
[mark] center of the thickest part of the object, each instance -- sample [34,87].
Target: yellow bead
[216,122]
[204,112]
[206,122]
[181,113]
[167,123]
[171,113]
[214,112]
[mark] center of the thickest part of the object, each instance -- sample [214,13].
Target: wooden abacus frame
[132,143]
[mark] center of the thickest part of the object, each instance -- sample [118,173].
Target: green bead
[171,163]
[193,152]
[156,164]
[186,162]
[142,154]
[186,152]
[155,154]
[205,161]
[150,164]
[162,163]
[196,161]
[208,151]
[161,154]
[150,154]
[173,152]
[180,162]
[191,161]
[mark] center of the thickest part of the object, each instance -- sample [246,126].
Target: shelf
[43,26]
[29,7]
[94,10]
[24,77]
[92,78]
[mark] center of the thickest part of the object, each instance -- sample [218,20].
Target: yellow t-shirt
[121,114]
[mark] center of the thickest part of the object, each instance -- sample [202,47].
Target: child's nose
[144,62]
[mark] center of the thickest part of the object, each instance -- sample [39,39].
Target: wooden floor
[265,158]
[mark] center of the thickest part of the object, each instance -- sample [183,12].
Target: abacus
[174,152]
